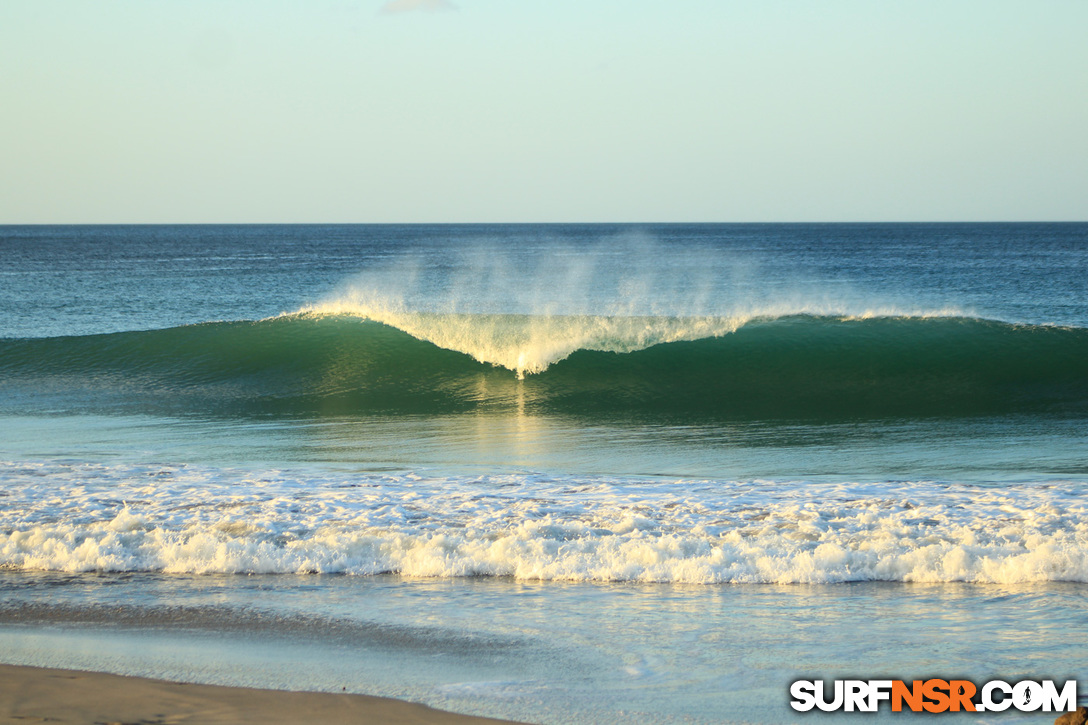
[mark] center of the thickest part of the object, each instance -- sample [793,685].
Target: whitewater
[78,518]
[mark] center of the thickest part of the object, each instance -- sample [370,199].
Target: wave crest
[531,343]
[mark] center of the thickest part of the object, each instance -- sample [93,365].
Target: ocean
[557,473]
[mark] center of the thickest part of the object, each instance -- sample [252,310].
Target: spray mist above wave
[527,311]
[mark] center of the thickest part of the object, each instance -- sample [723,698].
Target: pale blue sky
[534,110]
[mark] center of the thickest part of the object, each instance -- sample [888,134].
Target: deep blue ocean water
[568,473]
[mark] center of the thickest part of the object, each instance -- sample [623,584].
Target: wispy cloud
[406,6]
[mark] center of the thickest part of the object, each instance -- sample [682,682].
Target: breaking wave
[802,366]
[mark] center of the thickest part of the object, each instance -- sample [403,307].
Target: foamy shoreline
[71,696]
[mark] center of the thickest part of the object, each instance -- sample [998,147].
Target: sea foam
[203,520]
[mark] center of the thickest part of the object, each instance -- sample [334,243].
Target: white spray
[529,308]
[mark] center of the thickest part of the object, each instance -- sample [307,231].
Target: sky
[375,111]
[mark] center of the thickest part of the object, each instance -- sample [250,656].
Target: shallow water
[543,651]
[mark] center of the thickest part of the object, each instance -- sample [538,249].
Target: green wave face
[798,367]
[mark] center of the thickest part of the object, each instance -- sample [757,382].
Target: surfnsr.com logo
[933,695]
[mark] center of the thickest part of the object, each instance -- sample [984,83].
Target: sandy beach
[33,694]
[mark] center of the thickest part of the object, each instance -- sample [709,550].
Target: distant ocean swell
[85,517]
[800,366]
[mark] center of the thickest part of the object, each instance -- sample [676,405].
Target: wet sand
[33,694]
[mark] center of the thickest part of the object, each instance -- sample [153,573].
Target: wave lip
[527,344]
[531,343]
[797,366]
